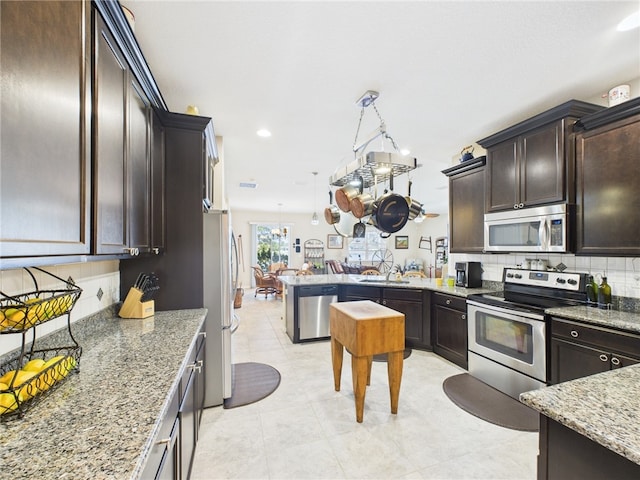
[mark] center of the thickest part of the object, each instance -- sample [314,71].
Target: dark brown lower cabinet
[579,350]
[171,455]
[412,302]
[566,455]
[449,328]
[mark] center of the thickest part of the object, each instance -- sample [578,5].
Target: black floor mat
[251,382]
[487,403]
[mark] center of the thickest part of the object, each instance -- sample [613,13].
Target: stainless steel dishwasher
[313,310]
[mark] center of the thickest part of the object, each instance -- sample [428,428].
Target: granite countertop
[628,321]
[604,408]
[379,281]
[100,422]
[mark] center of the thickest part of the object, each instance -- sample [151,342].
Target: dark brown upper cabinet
[608,180]
[466,206]
[45,188]
[122,130]
[532,163]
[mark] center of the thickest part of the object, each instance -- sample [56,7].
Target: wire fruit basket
[30,375]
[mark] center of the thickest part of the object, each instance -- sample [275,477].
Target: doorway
[270,244]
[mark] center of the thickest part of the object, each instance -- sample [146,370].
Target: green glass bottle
[604,294]
[592,291]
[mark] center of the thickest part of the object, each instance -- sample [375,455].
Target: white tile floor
[305,429]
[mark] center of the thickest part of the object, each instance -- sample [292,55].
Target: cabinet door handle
[156,250]
[204,334]
[515,206]
[615,361]
[448,302]
[464,317]
[196,367]
[604,358]
[574,334]
[521,205]
[384,302]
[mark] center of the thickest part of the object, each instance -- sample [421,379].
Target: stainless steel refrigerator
[220,284]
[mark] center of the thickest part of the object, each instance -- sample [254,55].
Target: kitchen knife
[138,281]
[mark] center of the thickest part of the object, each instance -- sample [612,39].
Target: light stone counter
[604,408]
[380,281]
[99,423]
[628,321]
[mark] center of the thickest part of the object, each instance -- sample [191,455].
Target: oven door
[510,338]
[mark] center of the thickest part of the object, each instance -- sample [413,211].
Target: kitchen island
[102,422]
[435,315]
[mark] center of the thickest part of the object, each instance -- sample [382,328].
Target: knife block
[134,308]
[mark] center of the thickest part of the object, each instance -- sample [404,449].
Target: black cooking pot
[390,211]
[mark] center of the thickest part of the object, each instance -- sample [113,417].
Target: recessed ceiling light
[264,133]
[630,22]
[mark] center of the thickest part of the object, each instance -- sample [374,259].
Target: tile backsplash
[91,277]
[623,274]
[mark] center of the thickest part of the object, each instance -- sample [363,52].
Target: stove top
[535,290]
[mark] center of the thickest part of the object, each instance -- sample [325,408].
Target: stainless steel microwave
[539,229]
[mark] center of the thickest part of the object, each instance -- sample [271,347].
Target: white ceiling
[448,73]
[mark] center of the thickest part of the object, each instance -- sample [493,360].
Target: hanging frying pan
[331,213]
[415,208]
[390,211]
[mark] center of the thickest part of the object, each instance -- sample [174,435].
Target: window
[362,249]
[271,244]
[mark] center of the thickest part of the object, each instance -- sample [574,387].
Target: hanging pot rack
[373,167]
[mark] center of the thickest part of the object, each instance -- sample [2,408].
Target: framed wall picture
[334,241]
[402,242]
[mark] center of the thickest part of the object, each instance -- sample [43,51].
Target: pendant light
[314,218]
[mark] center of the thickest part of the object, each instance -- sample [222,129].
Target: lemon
[8,402]
[27,388]
[3,386]
[7,377]
[34,365]
[54,373]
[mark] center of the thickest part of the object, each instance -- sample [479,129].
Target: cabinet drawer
[451,301]
[365,292]
[605,338]
[405,294]
[192,363]
[163,440]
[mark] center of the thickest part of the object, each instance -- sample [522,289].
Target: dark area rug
[251,382]
[383,356]
[489,404]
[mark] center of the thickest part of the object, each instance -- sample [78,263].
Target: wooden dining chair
[415,274]
[370,271]
[266,283]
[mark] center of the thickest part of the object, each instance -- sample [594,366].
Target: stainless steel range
[508,331]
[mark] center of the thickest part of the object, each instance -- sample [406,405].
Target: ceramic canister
[619,94]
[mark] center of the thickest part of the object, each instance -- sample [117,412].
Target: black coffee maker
[468,274]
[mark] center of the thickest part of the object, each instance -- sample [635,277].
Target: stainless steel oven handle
[504,311]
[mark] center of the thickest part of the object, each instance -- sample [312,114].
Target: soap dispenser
[604,294]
